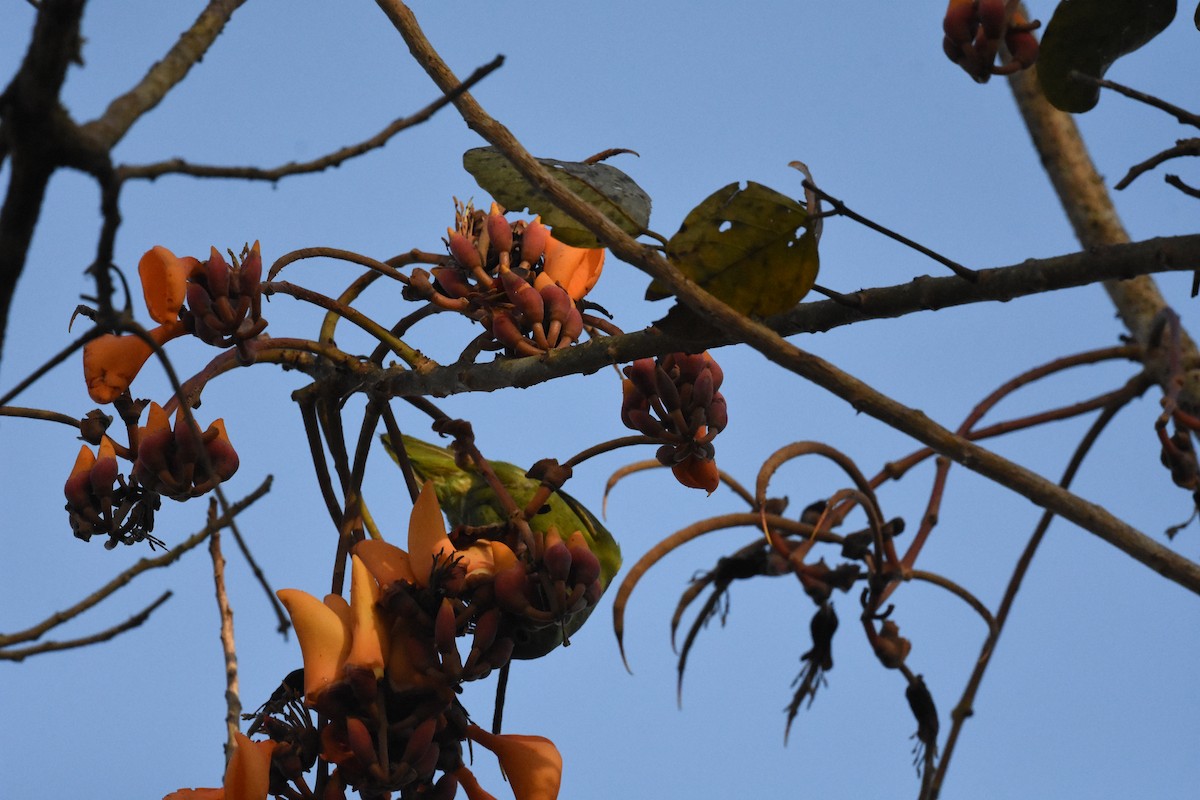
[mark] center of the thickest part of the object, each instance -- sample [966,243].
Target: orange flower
[428,543]
[248,776]
[335,634]
[576,269]
[111,362]
[164,282]
[697,473]
[532,764]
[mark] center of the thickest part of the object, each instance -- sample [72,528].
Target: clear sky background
[1092,692]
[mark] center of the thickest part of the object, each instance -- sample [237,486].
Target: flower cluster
[180,463]
[675,399]
[523,285]
[224,308]
[975,30]
[384,670]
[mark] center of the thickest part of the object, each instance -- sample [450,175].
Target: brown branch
[233,702]
[1090,209]
[1190,191]
[333,159]
[1183,147]
[861,396]
[103,636]
[1184,116]
[964,708]
[143,565]
[34,124]
[124,111]
[1181,253]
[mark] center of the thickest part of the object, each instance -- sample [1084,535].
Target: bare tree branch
[124,111]
[143,565]
[136,620]
[336,158]
[1090,209]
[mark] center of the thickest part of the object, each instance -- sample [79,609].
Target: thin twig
[233,702]
[143,565]
[1184,116]
[1184,147]
[103,636]
[841,209]
[260,576]
[964,708]
[336,158]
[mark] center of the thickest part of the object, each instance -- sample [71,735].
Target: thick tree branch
[33,119]
[864,398]
[921,294]
[1090,209]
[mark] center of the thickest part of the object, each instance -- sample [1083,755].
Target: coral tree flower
[532,763]
[164,278]
[576,269]
[428,544]
[248,776]
[111,362]
[334,634]
[169,461]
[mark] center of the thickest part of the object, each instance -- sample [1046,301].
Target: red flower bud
[463,250]
[500,235]
[534,241]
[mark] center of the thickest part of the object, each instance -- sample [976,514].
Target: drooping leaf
[751,247]
[1087,36]
[607,189]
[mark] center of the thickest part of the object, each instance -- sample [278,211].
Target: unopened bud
[500,236]
[534,241]
[556,558]
[585,567]
[452,282]
[463,250]
[524,297]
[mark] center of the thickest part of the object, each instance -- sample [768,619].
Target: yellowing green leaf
[610,191]
[752,248]
[1087,36]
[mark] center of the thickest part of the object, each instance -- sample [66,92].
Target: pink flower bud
[534,241]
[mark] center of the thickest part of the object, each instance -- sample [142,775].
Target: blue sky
[1091,692]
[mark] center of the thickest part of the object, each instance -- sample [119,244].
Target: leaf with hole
[607,189]
[1087,36]
[751,247]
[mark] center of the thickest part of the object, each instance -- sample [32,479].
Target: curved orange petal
[426,535]
[696,473]
[369,641]
[385,561]
[576,269]
[466,779]
[164,282]
[248,776]
[196,794]
[532,763]
[111,362]
[324,639]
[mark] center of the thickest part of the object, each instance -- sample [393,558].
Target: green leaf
[753,248]
[1087,36]
[610,191]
